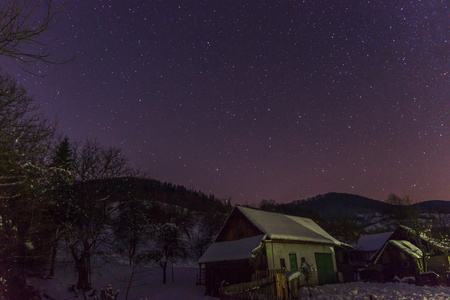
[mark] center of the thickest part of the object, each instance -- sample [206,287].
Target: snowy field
[147,284]
[360,290]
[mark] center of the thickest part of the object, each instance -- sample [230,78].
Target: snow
[232,250]
[148,285]
[386,291]
[407,247]
[283,227]
[372,242]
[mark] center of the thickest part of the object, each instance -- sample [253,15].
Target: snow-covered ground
[147,284]
[360,290]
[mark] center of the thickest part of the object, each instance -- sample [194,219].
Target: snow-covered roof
[441,246]
[372,242]
[283,227]
[232,250]
[407,248]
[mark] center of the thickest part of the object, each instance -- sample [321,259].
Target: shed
[409,241]
[253,240]
[400,258]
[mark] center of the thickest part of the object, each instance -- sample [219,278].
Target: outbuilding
[253,241]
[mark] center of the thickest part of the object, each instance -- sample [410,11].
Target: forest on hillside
[86,200]
[348,216]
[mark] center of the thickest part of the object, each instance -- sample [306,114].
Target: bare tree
[22,24]
[132,232]
[95,162]
[88,230]
[169,246]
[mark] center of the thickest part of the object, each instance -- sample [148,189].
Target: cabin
[253,241]
[402,255]
[400,258]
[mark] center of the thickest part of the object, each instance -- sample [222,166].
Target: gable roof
[232,250]
[407,248]
[403,232]
[404,246]
[283,227]
[432,242]
[372,242]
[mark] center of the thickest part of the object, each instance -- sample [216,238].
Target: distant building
[410,255]
[403,253]
[253,240]
[367,246]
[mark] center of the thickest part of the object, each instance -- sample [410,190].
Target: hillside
[440,206]
[347,216]
[338,205]
[334,205]
[155,190]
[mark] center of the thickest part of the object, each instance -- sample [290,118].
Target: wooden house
[253,240]
[403,255]
[399,258]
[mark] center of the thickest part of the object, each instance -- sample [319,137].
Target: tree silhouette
[22,24]
[25,183]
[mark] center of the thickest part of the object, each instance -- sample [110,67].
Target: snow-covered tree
[307,271]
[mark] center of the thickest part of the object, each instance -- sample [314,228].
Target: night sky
[257,100]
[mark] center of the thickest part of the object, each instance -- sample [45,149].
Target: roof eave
[278,238]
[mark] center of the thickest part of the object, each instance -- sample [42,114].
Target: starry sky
[257,100]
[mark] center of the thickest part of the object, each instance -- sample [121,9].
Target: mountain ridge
[333,205]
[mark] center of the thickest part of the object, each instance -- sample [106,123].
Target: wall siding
[276,250]
[237,227]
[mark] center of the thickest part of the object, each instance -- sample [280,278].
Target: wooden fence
[265,284]
[261,274]
[258,289]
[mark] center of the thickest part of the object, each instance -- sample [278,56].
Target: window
[282,263]
[293,262]
[303,260]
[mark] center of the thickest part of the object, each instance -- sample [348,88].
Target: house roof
[232,250]
[434,243]
[404,246]
[372,242]
[402,232]
[283,227]
[407,248]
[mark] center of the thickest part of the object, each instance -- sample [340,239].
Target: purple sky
[259,100]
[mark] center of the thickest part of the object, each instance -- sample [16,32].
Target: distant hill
[440,206]
[334,205]
[155,190]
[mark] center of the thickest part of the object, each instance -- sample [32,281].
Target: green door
[325,268]
[293,262]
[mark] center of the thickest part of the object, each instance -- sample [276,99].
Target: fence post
[281,285]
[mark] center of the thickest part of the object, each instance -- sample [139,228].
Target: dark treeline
[166,192]
[345,216]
